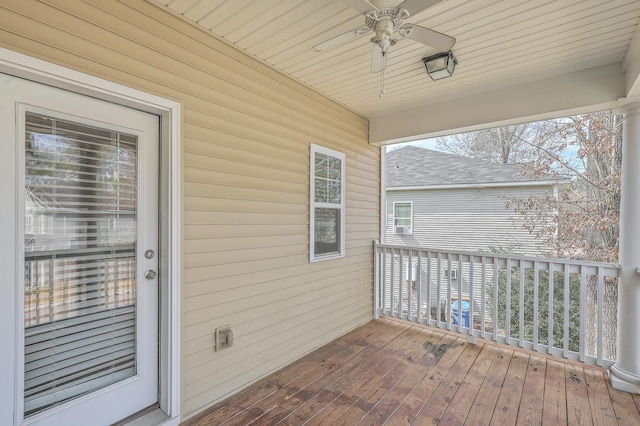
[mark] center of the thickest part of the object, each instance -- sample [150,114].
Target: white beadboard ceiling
[500,43]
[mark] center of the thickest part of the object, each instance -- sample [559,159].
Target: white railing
[560,307]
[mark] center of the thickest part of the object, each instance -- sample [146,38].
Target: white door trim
[40,71]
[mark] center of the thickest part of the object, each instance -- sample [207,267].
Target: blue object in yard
[465,313]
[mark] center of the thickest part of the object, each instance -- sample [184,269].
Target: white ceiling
[500,44]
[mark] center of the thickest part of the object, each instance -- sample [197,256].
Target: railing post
[625,373]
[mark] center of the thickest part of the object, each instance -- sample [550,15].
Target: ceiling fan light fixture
[441,65]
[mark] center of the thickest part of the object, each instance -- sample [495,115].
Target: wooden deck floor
[392,373]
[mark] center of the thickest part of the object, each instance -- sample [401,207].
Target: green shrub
[543,306]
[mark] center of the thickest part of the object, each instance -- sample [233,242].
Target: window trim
[410,216]
[313,204]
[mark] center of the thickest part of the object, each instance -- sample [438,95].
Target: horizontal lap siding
[246,134]
[467,219]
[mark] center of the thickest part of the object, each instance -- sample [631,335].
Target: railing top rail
[501,256]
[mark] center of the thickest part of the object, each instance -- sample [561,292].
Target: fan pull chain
[382,83]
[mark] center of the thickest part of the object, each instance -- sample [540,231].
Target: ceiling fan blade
[416,6]
[342,38]
[378,59]
[439,41]
[362,6]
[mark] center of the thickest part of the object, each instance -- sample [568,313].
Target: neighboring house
[440,200]
[449,202]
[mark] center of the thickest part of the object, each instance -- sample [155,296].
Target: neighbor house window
[403,218]
[327,203]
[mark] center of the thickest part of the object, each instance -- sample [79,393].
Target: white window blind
[80,264]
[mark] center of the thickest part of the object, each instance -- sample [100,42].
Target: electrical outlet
[224,337]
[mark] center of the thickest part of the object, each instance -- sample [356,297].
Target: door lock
[149,274]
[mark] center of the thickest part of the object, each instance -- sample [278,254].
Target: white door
[86,241]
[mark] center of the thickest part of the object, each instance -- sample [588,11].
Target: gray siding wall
[469,219]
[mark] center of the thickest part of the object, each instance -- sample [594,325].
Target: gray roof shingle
[415,166]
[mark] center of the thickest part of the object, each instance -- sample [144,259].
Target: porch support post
[625,373]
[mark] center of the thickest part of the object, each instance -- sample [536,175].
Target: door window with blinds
[79,259]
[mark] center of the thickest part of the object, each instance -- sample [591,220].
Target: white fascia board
[478,185]
[579,92]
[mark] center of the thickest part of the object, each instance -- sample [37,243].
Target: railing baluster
[418,289]
[583,318]
[393,265]
[495,298]
[459,290]
[536,303]
[600,315]
[521,305]
[409,283]
[401,275]
[376,280]
[35,293]
[51,280]
[508,303]
[565,343]
[383,281]
[448,303]
[471,294]
[483,299]
[428,313]
[438,285]
[550,309]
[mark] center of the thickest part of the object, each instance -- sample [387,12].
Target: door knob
[149,274]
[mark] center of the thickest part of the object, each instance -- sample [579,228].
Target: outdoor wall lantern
[440,65]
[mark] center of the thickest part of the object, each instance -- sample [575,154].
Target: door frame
[169,255]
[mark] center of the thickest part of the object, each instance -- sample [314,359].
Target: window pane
[80,260]
[321,165]
[334,192]
[334,169]
[321,190]
[327,231]
[403,210]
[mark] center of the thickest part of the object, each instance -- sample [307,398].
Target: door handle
[149,274]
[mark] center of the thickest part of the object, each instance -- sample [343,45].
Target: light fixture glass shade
[440,65]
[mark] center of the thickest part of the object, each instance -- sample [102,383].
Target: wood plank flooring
[390,372]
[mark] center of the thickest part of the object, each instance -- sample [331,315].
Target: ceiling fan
[386,20]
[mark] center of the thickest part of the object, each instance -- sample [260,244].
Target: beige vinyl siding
[245,147]
[468,219]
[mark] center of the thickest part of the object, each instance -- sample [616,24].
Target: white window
[451,272]
[403,218]
[327,203]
